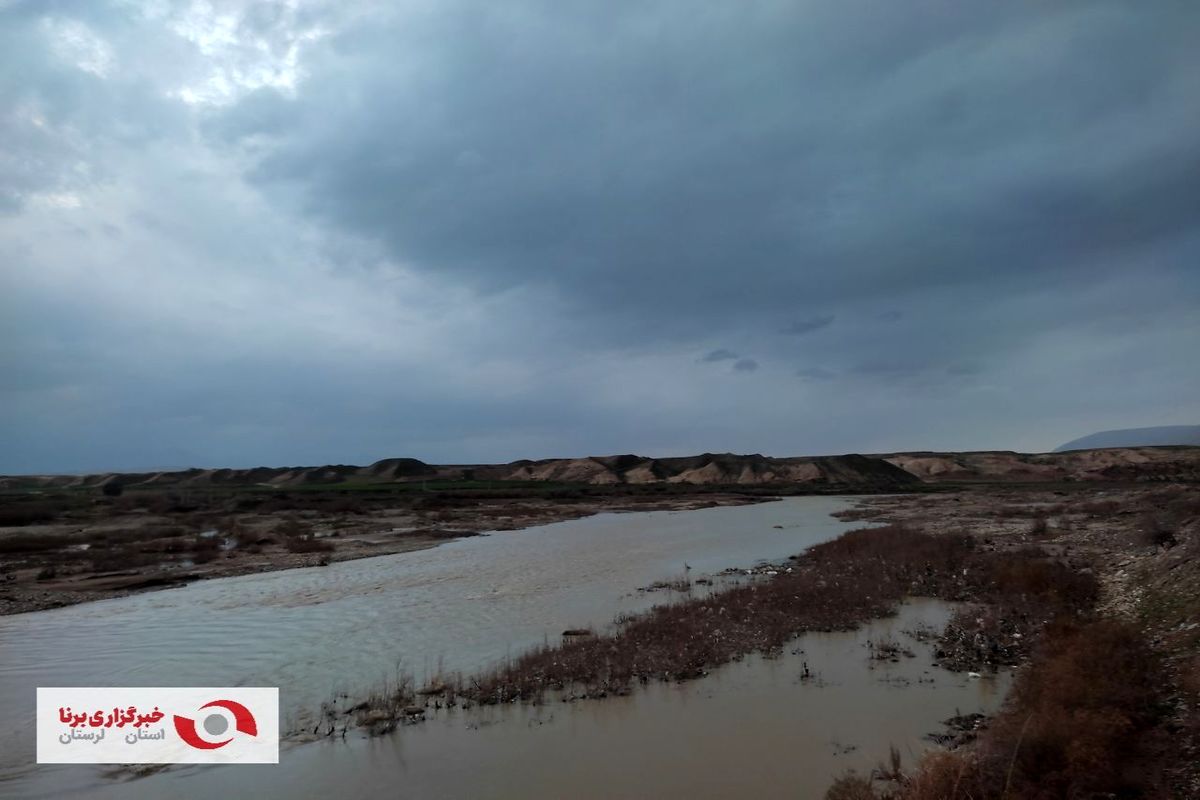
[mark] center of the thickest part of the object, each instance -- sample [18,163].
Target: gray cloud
[719,355]
[332,231]
[803,326]
[745,365]
[816,374]
[830,181]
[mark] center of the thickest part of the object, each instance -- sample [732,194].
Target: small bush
[31,543]
[851,786]
[117,559]
[1157,531]
[1073,727]
[307,544]
[1026,576]
[205,549]
[20,514]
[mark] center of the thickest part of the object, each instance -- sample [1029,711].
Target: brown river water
[751,728]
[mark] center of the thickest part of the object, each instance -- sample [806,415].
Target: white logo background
[145,737]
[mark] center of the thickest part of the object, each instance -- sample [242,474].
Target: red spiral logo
[216,724]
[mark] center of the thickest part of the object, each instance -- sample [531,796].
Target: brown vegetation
[1074,726]
[834,586]
[1107,702]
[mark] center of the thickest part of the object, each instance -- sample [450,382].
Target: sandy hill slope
[708,469]
[880,473]
[848,471]
[1114,464]
[1136,437]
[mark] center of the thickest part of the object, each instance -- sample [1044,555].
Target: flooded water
[465,605]
[312,632]
[751,729]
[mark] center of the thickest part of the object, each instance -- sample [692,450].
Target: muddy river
[752,727]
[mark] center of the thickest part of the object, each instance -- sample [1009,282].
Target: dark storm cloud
[719,355]
[260,232]
[745,365]
[723,161]
[803,326]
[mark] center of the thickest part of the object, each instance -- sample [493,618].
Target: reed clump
[837,585]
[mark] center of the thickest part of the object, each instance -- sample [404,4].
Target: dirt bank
[1107,705]
[90,549]
[1091,592]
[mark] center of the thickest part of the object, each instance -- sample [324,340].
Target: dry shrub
[944,776]
[205,549]
[1099,508]
[1027,577]
[850,786]
[347,505]
[1157,530]
[896,545]
[19,514]
[835,586]
[1092,689]
[307,543]
[31,542]
[1182,503]
[1071,729]
[291,527]
[112,559]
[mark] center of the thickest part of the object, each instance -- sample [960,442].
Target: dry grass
[835,586]
[1074,726]
[307,543]
[19,514]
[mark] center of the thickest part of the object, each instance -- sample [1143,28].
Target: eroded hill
[849,471]
[882,472]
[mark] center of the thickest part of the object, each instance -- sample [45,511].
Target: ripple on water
[461,605]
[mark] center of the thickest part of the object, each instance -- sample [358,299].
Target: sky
[282,233]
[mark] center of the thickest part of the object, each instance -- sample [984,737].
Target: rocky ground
[1141,542]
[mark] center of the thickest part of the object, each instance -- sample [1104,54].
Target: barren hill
[848,471]
[882,473]
[709,468]
[1112,464]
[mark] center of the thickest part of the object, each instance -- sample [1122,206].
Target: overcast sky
[243,233]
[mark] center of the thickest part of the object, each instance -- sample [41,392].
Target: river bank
[347,627]
[1044,574]
[778,724]
[87,551]
[1106,703]
[1019,557]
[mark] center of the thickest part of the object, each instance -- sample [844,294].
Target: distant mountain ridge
[848,471]
[852,472]
[1136,437]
